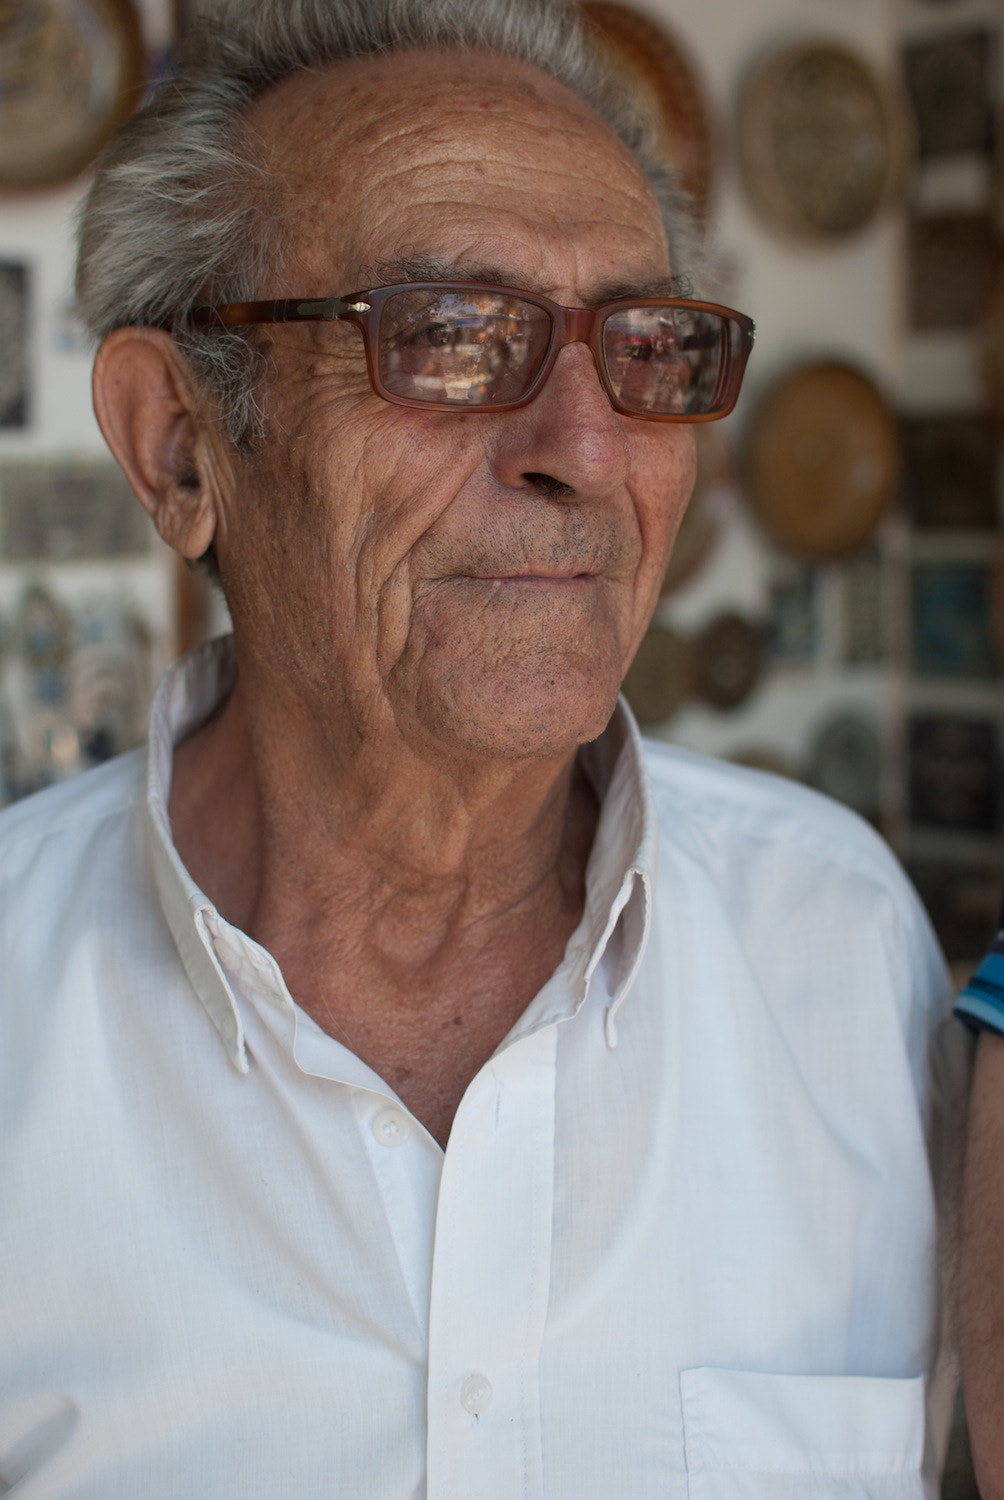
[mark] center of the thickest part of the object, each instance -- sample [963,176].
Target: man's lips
[531,576]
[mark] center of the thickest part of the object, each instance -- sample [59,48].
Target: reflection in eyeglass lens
[467,348]
[664,359]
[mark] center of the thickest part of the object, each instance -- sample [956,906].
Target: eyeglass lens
[467,348]
[481,348]
[663,359]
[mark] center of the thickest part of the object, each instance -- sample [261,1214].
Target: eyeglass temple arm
[290,310]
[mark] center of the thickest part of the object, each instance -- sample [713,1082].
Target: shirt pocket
[777,1437]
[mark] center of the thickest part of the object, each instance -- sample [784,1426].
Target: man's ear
[150,414]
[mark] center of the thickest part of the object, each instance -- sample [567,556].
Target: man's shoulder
[71,811]
[724,801]
[813,896]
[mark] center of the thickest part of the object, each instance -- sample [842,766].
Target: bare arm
[982,1276]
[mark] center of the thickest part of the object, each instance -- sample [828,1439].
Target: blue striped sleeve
[981,1003]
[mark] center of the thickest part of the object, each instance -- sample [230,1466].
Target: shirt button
[475,1394]
[391,1126]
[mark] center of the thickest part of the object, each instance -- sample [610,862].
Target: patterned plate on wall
[69,73]
[824,460]
[845,762]
[728,658]
[659,679]
[822,140]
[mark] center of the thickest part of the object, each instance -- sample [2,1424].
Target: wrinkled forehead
[380,156]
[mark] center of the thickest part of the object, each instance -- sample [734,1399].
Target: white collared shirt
[681,1243]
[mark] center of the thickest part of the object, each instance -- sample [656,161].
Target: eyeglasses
[467,346]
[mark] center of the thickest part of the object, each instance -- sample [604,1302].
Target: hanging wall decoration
[952,621]
[823,141]
[824,460]
[660,677]
[794,632]
[948,78]
[950,262]
[14,384]
[863,610]
[962,898]
[990,338]
[845,762]
[70,510]
[69,73]
[953,775]
[728,658]
[950,472]
[664,82]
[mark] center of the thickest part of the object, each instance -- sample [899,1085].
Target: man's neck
[414,914]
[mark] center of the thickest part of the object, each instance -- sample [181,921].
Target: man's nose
[569,435]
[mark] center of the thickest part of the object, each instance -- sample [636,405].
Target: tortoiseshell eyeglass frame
[734,341]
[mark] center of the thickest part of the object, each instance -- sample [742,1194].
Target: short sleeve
[981,1003]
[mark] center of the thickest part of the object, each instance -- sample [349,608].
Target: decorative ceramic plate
[728,657]
[824,460]
[660,675]
[70,71]
[822,141]
[845,762]
[663,82]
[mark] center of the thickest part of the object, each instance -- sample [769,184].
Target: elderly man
[416,1085]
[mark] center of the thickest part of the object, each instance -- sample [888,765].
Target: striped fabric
[981,1003]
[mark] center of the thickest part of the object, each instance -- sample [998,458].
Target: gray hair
[180,210]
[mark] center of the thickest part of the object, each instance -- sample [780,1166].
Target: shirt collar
[619,876]
[187,696]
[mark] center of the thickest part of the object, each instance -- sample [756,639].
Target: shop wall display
[951,86]
[822,139]
[87,594]
[69,73]
[950,483]
[82,631]
[14,375]
[64,511]
[950,263]
[863,610]
[845,762]
[873,507]
[76,674]
[823,461]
